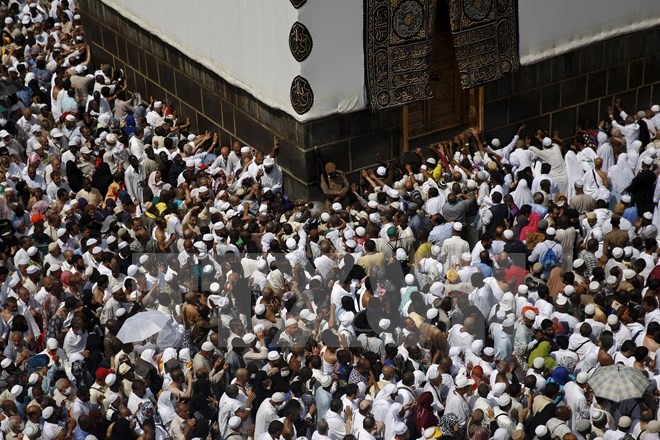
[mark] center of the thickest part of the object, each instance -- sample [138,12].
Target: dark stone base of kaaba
[577,87]
[555,94]
[157,69]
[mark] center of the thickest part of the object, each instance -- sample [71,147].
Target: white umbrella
[141,326]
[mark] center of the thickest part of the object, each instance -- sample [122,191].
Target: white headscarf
[575,173]
[166,407]
[383,401]
[500,434]
[620,174]
[392,418]
[148,355]
[522,195]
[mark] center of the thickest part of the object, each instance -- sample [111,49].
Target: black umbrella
[8,87]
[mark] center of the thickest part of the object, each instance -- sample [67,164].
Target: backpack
[549,260]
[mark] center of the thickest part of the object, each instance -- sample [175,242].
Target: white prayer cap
[190,163]
[400,428]
[207,346]
[214,287]
[278,397]
[578,263]
[61,232]
[655,108]
[617,252]
[495,143]
[6,362]
[582,377]
[523,289]
[360,231]
[466,256]
[143,259]
[435,250]
[462,381]
[234,422]
[351,244]
[120,312]
[431,313]
[208,269]
[508,234]
[259,309]
[624,422]
[290,243]
[393,193]
[249,338]
[245,149]
[629,274]
[547,142]
[132,270]
[410,279]
[489,351]
[626,198]
[550,231]
[372,204]
[384,324]
[507,302]
[648,216]
[381,171]
[612,320]
[594,286]
[34,377]
[32,251]
[505,399]
[52,344]
[530,314]
[647,160]
[541,430]
[539,362]
[431,160]
[32,270]
[471,184]
[579,183]
[22,261]
[16,390]
[401,254]
[458,227]
[47,413]
[111,239]
[273,356]
[589,309]
[433,372]
[110,379]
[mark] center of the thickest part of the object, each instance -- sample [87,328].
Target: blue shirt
[323,399]
[484,268]
[440,233]
[630,214]
[539,209]
[503,345]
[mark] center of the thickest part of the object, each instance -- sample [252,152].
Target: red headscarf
[424,416]
[532,226]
